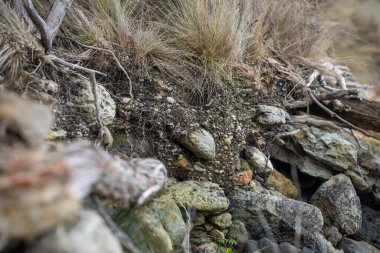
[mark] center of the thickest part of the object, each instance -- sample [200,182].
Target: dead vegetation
[203,43]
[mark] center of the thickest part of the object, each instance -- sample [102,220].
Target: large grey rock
[84,100]
[321,245]
[340,205]
[279,213]
[203,196]
[270,115]
[201,143]
[334,236]
[159,226]
[259,162]
[253,246]
[330,148]
[89,235]
[351,246]
[370,228]
[304,163]
[239,233]
[286,247]
[268,246]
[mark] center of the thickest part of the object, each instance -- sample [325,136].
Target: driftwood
[338,103]
[42,187]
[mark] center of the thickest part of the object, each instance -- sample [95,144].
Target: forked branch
[48,30]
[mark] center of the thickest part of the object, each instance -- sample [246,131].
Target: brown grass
[299,33]
[15,42]
[200,41]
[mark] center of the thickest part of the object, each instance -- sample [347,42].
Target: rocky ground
[287,160]
[246,175]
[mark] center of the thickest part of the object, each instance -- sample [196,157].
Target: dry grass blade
[15,41]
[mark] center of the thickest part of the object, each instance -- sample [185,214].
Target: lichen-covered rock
[330,148]
[159,225]
[270,115]
[340,205]
[281,184]
[200,143]
[89,235]
[280,213]
[203,196]
[258,160]
[84,100]
[239,233]
[208,248]
[223,220]
[351,246]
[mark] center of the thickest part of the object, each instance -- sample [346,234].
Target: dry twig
[114,57]
[93,83]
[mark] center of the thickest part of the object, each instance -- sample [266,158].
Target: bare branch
[38,21]
[74,66]
[114,57]
[56,14]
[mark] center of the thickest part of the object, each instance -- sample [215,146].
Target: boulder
[89,235]
[223,220]
[158,225]
[239,233]
[203,196]
[270,115]
[331,149]
[351,246]
[200,143]
[84,100]
[340,205]
[259,162]
[281,214]
[334,236]
[281,184]
[370,227]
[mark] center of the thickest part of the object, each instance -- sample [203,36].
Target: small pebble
[170,100]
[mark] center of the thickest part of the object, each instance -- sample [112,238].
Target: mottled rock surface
[340,205]
[259,162]
[223,220]
[370,227]
[270,115]
[84,100]
[351,246]
[200,143]
[158,225]
[203,196]
[280,213]
[239,233]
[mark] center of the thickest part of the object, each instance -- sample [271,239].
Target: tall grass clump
[296,31]
[112,24]
[211,34]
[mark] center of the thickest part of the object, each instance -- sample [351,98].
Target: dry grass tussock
[111,24]
[15,43]
[215,36]
[199,41]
